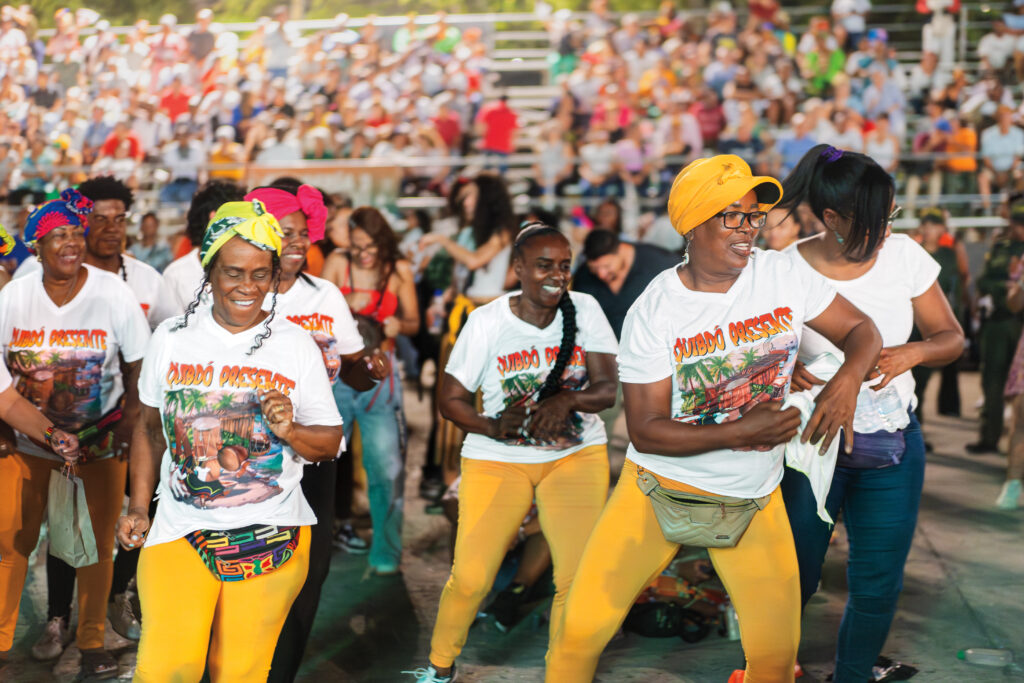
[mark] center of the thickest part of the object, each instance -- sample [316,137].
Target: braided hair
[553,382]
[262,336]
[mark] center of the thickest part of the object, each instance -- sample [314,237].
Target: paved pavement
[964,587]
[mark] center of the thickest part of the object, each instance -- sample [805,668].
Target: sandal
[99,664]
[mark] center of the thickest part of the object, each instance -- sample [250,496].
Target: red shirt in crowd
[500,123]
[449,127]
[174,104]
[113,141]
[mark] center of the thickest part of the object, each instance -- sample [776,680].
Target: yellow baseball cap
[706,186]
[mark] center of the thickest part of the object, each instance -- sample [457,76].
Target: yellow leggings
[494,497]
[627,550]
[184,603]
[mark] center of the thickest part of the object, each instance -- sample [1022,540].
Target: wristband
[48,435]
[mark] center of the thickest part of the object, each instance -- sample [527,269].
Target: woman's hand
[768,425]
[509,423]
[834,409]
[550,418]
[894,361]
[430,239]
[65,445]
[804,380]
[278,411]
[132,528]
[392,326]
[377,364]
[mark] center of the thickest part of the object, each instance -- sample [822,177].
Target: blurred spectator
[995,49]
[962,165]
[175,100]
[279,43]
[497,124]
[882,145]
[280,147]
[1002,147]
[149,248]
[122,133]
[782,229]
[792,148]
[200,39]
[167,48]
[852,14]
[599,166]
[226,151]
[182,158]
[928,146]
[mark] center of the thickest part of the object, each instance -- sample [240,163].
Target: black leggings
[318,485]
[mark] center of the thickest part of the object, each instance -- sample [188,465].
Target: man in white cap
[201,40]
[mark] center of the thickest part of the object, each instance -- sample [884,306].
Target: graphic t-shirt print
[723,373]
[321,328]
[223,453]
[61,373]
[522,375]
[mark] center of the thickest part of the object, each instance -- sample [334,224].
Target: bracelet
[48,435]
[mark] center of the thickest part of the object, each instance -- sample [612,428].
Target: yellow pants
[627,550]
[24,490]
[494,497]
[184,604]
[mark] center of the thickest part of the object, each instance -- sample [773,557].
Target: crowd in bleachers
[638,97]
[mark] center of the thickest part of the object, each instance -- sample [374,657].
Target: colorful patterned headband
[70,209]
[249,220]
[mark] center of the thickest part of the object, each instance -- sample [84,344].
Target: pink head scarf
[281,203]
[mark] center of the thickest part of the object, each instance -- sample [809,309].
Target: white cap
[205,13]
[225,132]
[168,20]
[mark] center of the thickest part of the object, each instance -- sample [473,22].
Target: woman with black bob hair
[878,484]
[236,400]
[544,360]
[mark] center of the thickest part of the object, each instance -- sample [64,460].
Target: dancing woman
[73,337]
[895,282]
[544,359]
[319,308]
[235,399]
[706,358]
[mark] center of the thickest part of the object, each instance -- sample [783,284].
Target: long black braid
[124,271]
[265,334]
[553,382]
[191,309]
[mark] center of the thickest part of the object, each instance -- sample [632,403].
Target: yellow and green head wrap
[249,220]
[6,241]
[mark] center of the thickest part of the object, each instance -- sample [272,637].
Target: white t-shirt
[725,353]
[5,378]
[997,49]
[902,271]
[223,468]
[509,359]
[149,288]
[321,310]
[66,360]
[183,277]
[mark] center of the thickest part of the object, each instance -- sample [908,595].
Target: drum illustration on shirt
[65,385]
[223,454]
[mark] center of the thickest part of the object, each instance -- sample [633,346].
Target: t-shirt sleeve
[593,323]
[165,304]
[345,330]
[644,352]
[150,388]
[314,402]
[471,352]
[130,326]
[5,378]
[922,269]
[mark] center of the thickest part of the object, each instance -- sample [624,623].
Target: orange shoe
[737,676]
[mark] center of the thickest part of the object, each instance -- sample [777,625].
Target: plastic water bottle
[985,656]
[732,623]
[435,314]
[890,406]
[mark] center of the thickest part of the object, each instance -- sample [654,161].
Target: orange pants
[494,497]
[24,488]
[183,603]
[627,550]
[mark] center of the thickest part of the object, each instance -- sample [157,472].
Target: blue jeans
[178,191]
[879,508]
[382,428]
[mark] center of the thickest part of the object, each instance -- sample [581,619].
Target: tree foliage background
[125,12]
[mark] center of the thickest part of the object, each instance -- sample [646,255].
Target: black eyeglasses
[734,219]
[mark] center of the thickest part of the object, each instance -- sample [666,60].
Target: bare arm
[147,449]
[312,442]
[471,259]
[458,405]
[360,369]
[408,319]
[652,429]
[123,430]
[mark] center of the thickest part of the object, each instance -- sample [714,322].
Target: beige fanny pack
[697,520]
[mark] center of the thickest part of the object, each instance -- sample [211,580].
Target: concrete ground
[964,587]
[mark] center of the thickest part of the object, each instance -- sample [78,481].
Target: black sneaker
[981,447]
[506,606]
[346,539]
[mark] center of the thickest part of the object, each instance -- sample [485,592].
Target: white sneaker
[1009,497]
[54,639]
[429,675]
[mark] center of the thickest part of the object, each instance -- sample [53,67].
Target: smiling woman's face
[240,279]
[721,250]
[294,243]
